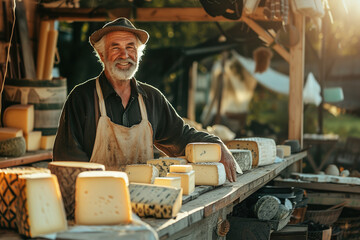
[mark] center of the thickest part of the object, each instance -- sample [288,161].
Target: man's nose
[123,53]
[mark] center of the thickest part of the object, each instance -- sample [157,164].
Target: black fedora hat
[119,24]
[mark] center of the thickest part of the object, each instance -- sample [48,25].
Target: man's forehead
[120,36]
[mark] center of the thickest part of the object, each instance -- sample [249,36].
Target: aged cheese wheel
[266,207]
[13,147]
[67,173]
[9,192]
[243,158]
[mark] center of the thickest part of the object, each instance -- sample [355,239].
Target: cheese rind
[155,201]
[203,152]
[168,181]
[19,116]
[142,173]
[67,172]
[102,198]
[40,207]
[243,158]
[33,140]
[47,142]
[181,168]
[6,133]
[210,174]
[163,164]
[187,181]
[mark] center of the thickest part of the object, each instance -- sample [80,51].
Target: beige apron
[115,145]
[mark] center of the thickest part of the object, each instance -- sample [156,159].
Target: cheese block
[102,198]
[286,149]
[13,147]
[33,140]
[243,158]
[9,192]
[210,174]
[187,181]
[142,173]
[168,181]
[203,152]
[263,150]
[279,152]
[181,168]
[40,207]
[47,142]
[163,164]
[19,116]
[6,133]
[67,173]
[155,201]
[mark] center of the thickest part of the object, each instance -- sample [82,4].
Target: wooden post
[296,106]
[192,91]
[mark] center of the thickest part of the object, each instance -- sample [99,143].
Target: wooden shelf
[29,157]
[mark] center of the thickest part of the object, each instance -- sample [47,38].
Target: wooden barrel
[47,96]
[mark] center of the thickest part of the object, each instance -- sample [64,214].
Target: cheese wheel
[286,149]
[33,140]
[13,147]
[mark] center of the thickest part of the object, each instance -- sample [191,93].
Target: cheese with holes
[168,181]
[286,149]
[163,164]
[243,158]
[19,116]
[33,140]
[181,168]
[40,209]
[263,150]
[9,192]
[6,133]
[102,198]
[203,152]
[210,174]
[142,173]
[47,142]
[155,201]
[67,172]
[187,181]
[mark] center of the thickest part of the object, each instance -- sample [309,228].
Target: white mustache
[125,61]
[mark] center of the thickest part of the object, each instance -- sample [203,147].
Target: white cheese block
[9,192]
[168,181]
[181,168]
[263,150]
[141,173]
[102,198]
[47,142]
[187,181]
[243,158]
[19,116]
[67,172]
[33,140]
[40,207]
[163,164]
[211,174]
[155,201]
[286,149]
[203,152]
[6,133]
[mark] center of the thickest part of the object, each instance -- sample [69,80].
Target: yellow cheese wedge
[187,181]
[33,140]
[7,133]
[203,152]
[163,164]
[19,116]
[181,168]
[141,173]
[40,210]
[47,142]
[168,181]
[211,174]
[102,198]
[286,149]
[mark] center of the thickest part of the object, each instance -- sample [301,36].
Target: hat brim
[97,35]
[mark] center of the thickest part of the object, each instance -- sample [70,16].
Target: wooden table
[29,157]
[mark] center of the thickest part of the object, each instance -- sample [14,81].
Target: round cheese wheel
[13,147]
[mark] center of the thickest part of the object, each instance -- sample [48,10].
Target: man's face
[120,58]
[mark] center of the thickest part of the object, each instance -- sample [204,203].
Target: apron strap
[142,107]
[101,98]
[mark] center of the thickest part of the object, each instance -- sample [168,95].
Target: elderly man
[115,119]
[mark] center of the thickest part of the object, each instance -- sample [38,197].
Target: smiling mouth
[123,65]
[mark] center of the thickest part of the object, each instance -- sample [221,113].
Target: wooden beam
[265,36]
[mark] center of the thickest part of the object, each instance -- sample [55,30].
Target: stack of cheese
[187,176]
[205,160]
[31,201]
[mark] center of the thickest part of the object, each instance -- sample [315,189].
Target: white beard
[121,74]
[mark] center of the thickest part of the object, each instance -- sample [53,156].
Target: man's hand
[229,163]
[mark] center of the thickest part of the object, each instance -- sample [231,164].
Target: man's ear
[102,57]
